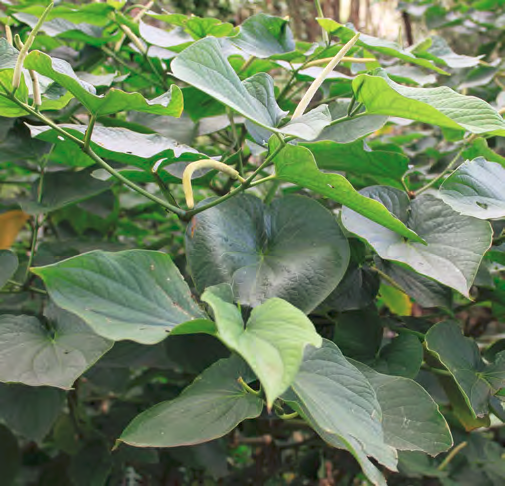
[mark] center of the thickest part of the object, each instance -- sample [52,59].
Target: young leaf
[296,164]
[272,342]
[455,243]
[475,189]
[477,381]
[169,103]
[55,354]
[135,294]
[268,252]
[411,420]
[213,405]
[264,36]
[8,265]
[342,407]
[436,106]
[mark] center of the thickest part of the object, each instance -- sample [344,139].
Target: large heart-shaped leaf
[52,354]
[170,103]
[342,407]
[296,164]
[455,243]
[272,343]
[477,381]
[437,106]
[475,188]
[270,251]
[213,405]
[204,66]
[411,420]
[264,35]
[135,294]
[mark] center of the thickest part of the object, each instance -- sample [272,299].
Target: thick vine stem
[307,98]
[8,34]
[16,78]
[355,60]
[203,164]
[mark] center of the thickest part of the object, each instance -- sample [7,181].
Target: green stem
[320,14]
[236,140]
[248,389]
[388,279]
[89,132]
[451,455]
[449,167]
[436,371]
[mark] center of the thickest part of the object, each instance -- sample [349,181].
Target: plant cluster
[249,260]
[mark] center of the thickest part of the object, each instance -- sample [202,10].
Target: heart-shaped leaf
[135,294]
[114,101]
[52,354]
[477,381]
[475,188]
[272,342]
[268,252]
[455,243]
[213,405]
[437,106]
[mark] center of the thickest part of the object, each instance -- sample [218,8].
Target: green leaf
[479,148]
[52,354]
[204,66]
[455,243]
[213,405]
[162,38]
[350,129]
[169,103]
[411,419]
[63,188]
[8,266]
[264,36]
[97,453]
[425,291]
[11,456]
[268,251]
[403,356]
[382,46]
[460,355]
[9,108]
[379,166]
[138,295]
[437,106]
[339,403]
[121,145]
[359,333]
[296,164]
[30,410]
[357,290]
[272,342]
[475,189]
